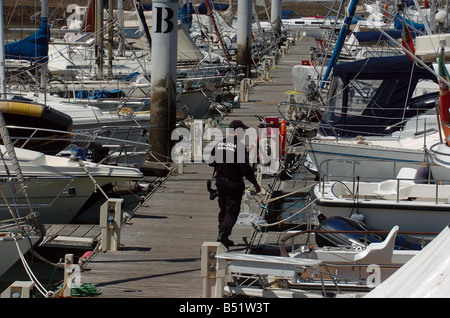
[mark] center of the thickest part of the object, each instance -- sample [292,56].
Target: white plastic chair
[378,253]
[388,189]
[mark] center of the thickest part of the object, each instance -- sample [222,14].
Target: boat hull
[384,214]
[351,160]
[9,253]
[55,201]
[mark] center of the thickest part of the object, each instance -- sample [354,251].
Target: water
[47,275]
[292,207]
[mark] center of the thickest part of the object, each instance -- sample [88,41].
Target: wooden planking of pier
[161,244]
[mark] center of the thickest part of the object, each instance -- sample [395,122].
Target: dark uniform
[231,163]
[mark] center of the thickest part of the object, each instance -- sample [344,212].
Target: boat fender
[358,217]
[283,137]
[423,174]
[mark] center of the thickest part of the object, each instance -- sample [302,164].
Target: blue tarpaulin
[217,6]
[371,36]
[289,14]
[115,93]
[185,14]
[32,48]
[398,24]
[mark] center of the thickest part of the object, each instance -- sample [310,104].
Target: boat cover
[96,94]
[374,36]
[398,24]
[426,275]
[400,71]
[32,48]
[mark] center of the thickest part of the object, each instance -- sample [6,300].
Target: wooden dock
[160,249]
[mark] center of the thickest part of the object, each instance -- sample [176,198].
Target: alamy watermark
[195,145]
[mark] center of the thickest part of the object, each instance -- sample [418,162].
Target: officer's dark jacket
[231,161]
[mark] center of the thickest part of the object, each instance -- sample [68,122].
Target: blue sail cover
[398,24]
[33,48]
[217,6]
[399,76]
[373,36]
[185,14]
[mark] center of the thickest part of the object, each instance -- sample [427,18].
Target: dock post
[19,289]
[245,89]
[111,215]
[68,275]
[181,163]
[213,270]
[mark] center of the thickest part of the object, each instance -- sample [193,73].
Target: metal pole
[121,27]
[275,17]
[164,76]
[244,36]
[44,66]
[2,55]
[110,38]
[99,37]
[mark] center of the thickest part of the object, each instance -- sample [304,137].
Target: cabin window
[380,100]
[359,93]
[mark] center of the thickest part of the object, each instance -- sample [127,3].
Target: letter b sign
[159,20]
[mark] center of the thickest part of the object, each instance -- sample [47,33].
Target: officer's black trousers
[230,198]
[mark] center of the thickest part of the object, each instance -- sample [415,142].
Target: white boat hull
[417,212]
[46,176]
[9,253]
[336,159]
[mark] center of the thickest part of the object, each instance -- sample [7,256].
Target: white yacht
[70,180]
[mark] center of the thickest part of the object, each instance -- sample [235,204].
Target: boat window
[380,100]
[423,102]
[335,100]
[360,92]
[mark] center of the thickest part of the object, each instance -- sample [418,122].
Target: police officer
[230,160]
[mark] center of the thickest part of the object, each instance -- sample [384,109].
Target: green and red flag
[444,95]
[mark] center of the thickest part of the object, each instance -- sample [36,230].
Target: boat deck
[160,250]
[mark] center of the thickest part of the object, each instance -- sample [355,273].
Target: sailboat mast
[340,41]
[2,55]
[44,65]
[110,38]
[121,27]
[4,132]
[99,37]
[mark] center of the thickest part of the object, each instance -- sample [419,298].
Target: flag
[426,5]
[407,41]
[444,96]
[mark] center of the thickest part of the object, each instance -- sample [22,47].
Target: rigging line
[290,217]
[30,273]
[407,94]
[12,13]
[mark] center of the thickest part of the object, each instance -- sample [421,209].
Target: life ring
[283,137]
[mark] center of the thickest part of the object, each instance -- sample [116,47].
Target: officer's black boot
[223,238]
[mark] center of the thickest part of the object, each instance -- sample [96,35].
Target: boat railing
[307,236]
[309,115]
[28,223]
[423,175]
[64,188]
[103,136]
